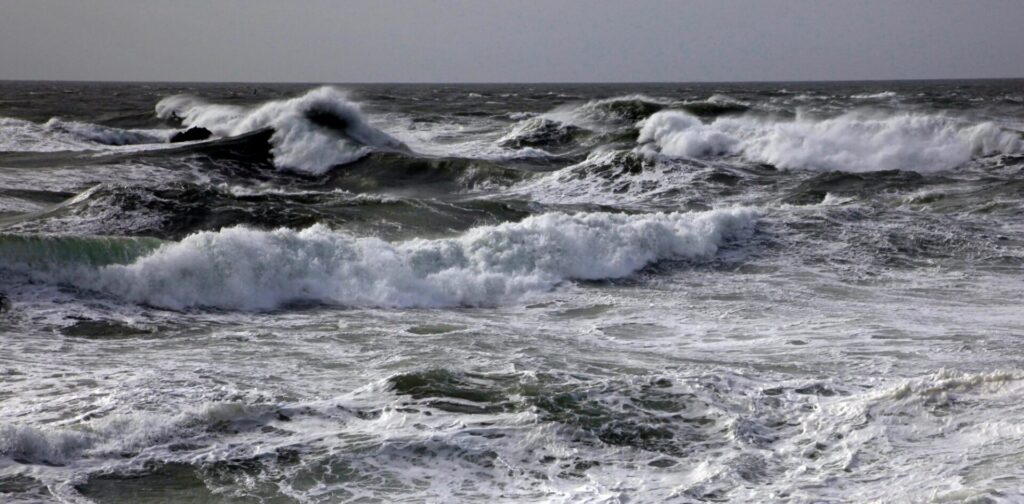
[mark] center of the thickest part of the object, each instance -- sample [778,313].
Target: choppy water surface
[601,293]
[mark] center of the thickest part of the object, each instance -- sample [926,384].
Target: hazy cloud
[525,40]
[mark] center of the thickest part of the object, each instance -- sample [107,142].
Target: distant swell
[241,268]
[853,142]
[312,133]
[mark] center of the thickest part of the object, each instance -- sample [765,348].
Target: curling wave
[241,268]
[312,133]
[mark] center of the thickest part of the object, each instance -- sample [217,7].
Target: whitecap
[299,143]
[242,268]
[852,142]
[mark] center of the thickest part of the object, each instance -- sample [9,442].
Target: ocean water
[786,292]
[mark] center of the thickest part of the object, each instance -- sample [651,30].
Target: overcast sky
[510,40]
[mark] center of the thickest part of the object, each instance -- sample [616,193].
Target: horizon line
[493,83]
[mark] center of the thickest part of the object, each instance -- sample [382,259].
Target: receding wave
[312,133]
[241,268]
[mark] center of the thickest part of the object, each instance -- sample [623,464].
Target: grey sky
[502,41]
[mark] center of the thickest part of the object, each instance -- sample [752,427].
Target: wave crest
[312,133]
[852,142]
[242,268]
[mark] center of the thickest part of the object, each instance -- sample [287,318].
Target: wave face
[44,252]
[241,268]
[853,142]
[312,133]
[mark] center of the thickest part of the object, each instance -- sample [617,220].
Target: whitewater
[799,292]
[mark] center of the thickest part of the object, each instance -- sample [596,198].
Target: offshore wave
[604,120]
[629,108]
[176,210]
[596,114]
[541,132]
[241,268]
[852,142]
[312,133]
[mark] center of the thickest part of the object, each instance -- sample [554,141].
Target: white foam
[477,139]
[678,134]
[17,135]
[241,268]
[32,444]
[905,430]
[884,95]
[591,181]
[107,135]
[722,99]
[298,143]
[116,434]
[852,142]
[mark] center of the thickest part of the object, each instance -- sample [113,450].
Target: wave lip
[312,133]
[852,142]
[242,268]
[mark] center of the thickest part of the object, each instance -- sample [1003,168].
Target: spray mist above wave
[241,268]
[312,133]
[852,142]
[18,135]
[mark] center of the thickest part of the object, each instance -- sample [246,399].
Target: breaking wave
[852,142]
[540,132]
[241,268]
[620,108]
[594,115]
[17,135]
[312,133]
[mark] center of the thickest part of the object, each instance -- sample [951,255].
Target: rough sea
[784,292]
